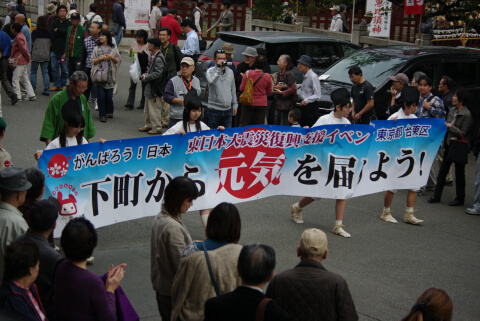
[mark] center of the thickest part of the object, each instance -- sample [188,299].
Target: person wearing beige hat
[337,22]
[13,189]
[367,18]
[50,15]
[177,87]
[328,295]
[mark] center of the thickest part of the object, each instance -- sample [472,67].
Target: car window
[323,54]
[463,73]
[275,50]
[347,49]
[376,67]
[239,46]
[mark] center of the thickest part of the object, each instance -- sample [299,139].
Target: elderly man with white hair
[309,291]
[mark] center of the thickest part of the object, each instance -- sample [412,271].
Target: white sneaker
[96,105]
[411,219]
[296,215]
[387,217]
[33,98]
[472,211]
[338,230]
[90,260]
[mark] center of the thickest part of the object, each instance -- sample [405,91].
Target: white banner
[380,25]
[137,13]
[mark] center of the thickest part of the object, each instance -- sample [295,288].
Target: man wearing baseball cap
[337,21]
[13,189]
[399,82]
[178,87]
[74,48]
[309,291]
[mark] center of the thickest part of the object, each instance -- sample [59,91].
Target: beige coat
[169,239]
[192,285]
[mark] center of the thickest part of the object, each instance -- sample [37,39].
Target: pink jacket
[261,89]
[20,47]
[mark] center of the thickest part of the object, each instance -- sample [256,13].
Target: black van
[461,64]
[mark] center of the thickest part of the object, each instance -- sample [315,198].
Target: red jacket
[20,47]
[172,23]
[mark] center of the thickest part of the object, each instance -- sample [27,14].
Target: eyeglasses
[82,88]
[219,51]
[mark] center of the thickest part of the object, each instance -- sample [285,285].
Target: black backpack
[160,83]
[88,23]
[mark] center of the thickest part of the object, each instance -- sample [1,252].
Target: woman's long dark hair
[186,117]
[109,38]
[73,120]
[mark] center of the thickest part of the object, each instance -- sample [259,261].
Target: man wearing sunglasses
[222,98]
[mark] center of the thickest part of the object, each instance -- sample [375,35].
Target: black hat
[70,108]
[43,214]
[155,42]
[75,15]
[191,100]
[340,97]
[410,94]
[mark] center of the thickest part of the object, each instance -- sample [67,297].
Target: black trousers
[6,84]
[309,114]
[459,178]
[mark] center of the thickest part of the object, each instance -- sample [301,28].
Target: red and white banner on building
[414,6]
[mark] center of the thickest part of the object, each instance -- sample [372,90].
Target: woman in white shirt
[343,107]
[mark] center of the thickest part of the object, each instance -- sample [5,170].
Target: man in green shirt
[59,28]
[54,122]
[74,46]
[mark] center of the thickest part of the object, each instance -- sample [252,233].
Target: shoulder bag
[13,62]
[458,151]
[246,98]
[99,75]
[210,271]
[262,307]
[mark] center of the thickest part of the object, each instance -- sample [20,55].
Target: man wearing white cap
[309,291]
[13,188]
[337,21]
[177,87]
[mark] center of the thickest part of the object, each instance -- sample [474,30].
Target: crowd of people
[214,279]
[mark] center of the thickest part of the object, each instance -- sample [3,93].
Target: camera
[225,63]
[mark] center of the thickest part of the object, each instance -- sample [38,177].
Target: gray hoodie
[221,86]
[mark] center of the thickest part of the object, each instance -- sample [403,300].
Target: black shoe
[103,119]
[14,99]
[433,199]
[128,106]
[449,183]
[140,107]
[46,94]
[455,202]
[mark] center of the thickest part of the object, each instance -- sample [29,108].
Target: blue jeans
[60,80]
[33,75]
[118,36]
[104,101]
[217,118]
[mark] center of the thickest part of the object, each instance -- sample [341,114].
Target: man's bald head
[20,18]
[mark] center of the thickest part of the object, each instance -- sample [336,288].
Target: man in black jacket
[309,291]
[256,265]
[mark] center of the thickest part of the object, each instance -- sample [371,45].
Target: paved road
[386,265]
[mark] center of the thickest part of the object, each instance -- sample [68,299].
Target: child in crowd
[294,117]
[191,123]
